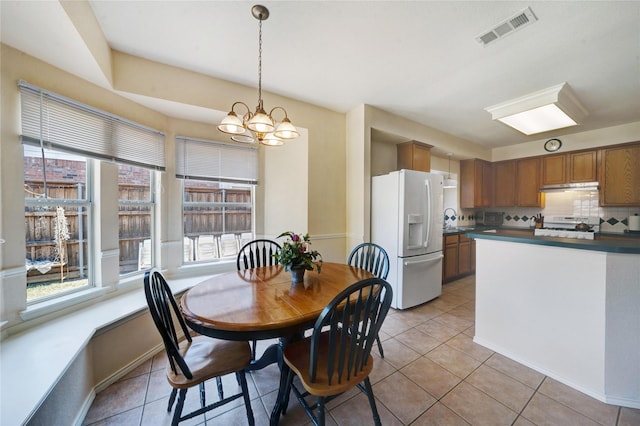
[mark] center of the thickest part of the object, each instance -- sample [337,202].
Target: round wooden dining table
[263,303]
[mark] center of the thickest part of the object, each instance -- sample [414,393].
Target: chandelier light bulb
[231,124]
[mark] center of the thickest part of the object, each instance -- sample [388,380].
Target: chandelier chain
[260,64]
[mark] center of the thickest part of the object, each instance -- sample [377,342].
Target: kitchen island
[569,309]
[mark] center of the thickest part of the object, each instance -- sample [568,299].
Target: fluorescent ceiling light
[554,108]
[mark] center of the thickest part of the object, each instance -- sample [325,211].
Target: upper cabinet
[476,184]
[620,176]
[572,167]
[528,183]
[414,156]
[504,183]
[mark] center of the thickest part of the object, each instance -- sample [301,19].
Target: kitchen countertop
[632,246]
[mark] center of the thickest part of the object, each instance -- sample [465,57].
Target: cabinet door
[464,256]
[620,176]
[476,184]
[450,265]
[414,156]
[583,166]
[554,169]
[528,182]
[504,183]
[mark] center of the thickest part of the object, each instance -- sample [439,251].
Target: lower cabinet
[459,257]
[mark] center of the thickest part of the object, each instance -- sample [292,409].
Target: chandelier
[258,125]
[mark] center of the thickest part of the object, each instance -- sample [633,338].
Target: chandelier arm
[233,107]
[278,107]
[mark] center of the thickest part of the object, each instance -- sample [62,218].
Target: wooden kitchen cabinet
[476,184]
[572,167]
[528,181]
[504,183]
[414,155]
[459,257]
[620,176]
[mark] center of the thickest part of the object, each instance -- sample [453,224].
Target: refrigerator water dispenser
[415,222]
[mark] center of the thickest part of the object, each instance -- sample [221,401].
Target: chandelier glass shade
[258,126]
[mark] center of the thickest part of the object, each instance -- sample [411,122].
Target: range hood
[561,187]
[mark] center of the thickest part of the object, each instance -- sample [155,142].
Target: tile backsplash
[571,203]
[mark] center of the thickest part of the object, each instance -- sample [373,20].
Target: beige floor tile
[454,322]
[515,370]
[158,386]
[427,310]
[542,410]
[508,391]
[418,341]
[465,344]
[471,331]
[159,361]
[238,416]
[295,413]
[453,360]
[629,417]
[118,398]
[130,417]
[230,387]
[437,330]
[478,408]
[398,354]
[406,400]
[266,380]
[442,304]
[357,411]
[599,411]
[464,313]
[156,414]
[140,370]
[431,377]
[439,415]
[396,324]
[521,421]
[381,369]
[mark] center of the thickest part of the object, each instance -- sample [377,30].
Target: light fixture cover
[553,108]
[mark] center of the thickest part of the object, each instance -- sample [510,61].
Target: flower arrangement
[296,253]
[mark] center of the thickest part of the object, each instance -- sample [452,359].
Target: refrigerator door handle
[429,260]
[429,207]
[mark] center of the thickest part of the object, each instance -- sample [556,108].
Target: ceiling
[416,59]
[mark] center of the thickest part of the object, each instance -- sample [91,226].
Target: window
[135,217]
[57,220]
[218,197]
[61,139]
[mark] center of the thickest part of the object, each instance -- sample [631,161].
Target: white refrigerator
[406,220]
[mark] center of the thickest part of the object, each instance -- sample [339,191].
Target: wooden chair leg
[178,412]
[245,393]
[220,391]
[380,347]
[372,402]
[172,398]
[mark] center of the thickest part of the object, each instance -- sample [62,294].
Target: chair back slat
[257,253]
[165,313]
[351,322]
[371,257]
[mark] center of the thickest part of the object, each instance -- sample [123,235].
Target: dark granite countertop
[630,246]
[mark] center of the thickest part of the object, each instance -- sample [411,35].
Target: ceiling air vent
[508,26]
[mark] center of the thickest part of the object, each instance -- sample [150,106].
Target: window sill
[43,308]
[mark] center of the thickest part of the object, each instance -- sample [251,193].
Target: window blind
[63,124]
[217,161]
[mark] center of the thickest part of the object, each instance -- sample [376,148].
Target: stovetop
[564,227]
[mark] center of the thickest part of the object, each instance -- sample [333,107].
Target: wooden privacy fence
[134,228]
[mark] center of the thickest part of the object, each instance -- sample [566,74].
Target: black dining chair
[374,259]
[337,355]
[195,359]
[255,254]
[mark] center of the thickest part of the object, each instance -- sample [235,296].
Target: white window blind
[217,161]
[56,122]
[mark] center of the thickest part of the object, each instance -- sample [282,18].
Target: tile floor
[432,374]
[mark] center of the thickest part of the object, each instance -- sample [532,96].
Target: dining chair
[195,359]
[337,355]
[254,254]
[257,253]
[374,259]
[228,245]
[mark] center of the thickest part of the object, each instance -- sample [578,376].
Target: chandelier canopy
[258,125]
